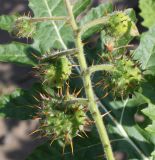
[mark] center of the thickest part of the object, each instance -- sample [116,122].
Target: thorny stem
[93,23]
[88,87]
[102,67]
[77,100]
[44,19]
[67,52]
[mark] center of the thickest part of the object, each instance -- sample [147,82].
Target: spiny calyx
[61,119]
[119,24]
[125,78]
[24,27]
[56,71]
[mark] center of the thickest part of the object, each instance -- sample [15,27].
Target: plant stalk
[70,52]
[102,67]
[88,87]
[45,19]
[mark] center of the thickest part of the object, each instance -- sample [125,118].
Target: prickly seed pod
[120,24]
[56,72]
[61,119]
[125,78]
[24,27]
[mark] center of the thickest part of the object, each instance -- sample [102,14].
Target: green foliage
[7,22]
[147,12]
[20,104]
[51,34]
[80,6]
[63,120]
[94,13]
[145,53]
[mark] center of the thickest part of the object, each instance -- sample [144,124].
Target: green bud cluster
[61,119]
[120,24]
[24,27]
[125,78]
[56,72]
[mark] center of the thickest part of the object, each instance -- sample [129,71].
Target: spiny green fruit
[57,71]
[61,119]
[24,27]
[120,24]
[125,78]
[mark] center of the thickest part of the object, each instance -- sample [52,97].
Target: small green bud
[24,27]
[125,79]
[56,72]
[120,24]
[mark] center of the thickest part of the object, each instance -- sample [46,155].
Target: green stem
[77,100]
[67,52]
[102,67]
[93,23]
[45,19]
[88,87]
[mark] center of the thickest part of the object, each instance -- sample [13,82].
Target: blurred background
[15,144]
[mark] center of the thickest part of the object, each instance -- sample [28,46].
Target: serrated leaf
[98,12]
[145,53]
[16,52]
[6,22]
[80,6]
[147,12]
[83,149]
[18,105]
[150,111]
[51,34]
[124,113]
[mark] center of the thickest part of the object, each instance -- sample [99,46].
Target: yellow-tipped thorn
[44,81]
[63,150]
[38,130]
[92,62]
[106,86]
[36,98]
[99,83]
[60,92]
[67,89]
[42,96]
[84,133]
[106,114]
[101,58]
[35,55]
[72,148]
[75,65]
[78,92]
[104,96]
[53,139]
[79,135]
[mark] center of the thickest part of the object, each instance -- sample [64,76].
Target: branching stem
[93,23]
[88,86]
[102,67]
[67,52]
[44,19]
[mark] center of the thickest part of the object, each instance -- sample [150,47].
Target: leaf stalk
[102,67]
[44,19]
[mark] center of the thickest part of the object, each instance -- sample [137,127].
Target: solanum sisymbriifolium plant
[88,100]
